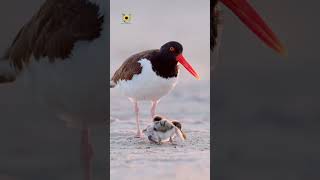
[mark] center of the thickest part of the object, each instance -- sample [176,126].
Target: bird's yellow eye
[172,49]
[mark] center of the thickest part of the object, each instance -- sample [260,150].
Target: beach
[140,159]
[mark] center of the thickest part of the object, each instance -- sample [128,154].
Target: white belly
[147,85]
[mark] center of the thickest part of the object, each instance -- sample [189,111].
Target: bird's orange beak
[255,23]
[185,64]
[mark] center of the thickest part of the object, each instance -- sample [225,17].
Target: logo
[126,18]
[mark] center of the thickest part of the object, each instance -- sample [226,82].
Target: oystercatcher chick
[164,130]
[149,75]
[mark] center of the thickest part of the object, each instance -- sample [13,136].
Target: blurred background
[265,107]
[36,145]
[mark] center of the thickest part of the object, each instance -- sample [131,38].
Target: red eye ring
[172,49]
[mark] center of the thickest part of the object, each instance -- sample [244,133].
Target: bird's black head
[165,64]
[171,48]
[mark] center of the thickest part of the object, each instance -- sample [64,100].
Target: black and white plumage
[164,130]
[150,75]
[61,54]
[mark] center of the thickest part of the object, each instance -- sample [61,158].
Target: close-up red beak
[248,15]
[185,63]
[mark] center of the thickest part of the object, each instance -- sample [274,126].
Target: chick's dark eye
[172,49]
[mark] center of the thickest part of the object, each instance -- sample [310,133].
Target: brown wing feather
[53,31]
[131,66]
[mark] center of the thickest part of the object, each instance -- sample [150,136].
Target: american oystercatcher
[164,130]
[149,75]
[60,53]
[248,15]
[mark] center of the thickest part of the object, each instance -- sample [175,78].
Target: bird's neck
[165,66]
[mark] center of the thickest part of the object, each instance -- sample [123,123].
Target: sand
[134,158]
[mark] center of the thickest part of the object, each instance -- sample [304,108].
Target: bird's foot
[173,142]
[139,135]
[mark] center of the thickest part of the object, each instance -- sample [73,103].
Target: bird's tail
[112,84]
[7,72]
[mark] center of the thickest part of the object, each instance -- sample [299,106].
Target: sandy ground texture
[140,159]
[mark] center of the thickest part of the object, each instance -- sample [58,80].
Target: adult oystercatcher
[149,75]
[248,15]
[60,53]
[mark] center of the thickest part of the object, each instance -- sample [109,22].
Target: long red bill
[185,63]
[255,23]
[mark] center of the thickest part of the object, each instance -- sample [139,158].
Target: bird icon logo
[126,18]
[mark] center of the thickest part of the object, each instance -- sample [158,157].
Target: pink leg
[153,108]
[136,109]
[87,153]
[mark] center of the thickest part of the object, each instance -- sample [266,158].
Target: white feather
[147,85]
